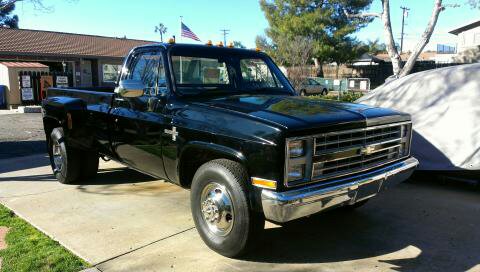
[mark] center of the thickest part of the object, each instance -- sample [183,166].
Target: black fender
[66,112]
[195,153]
[214,151]
[228,152]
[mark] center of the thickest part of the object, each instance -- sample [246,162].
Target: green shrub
[344,97]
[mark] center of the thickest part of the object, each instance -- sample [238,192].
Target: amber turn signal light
[264,183]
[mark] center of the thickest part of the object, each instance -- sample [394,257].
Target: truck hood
[301,113]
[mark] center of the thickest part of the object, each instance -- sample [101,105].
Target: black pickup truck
[227,124]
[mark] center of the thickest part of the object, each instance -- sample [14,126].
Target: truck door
[138,121]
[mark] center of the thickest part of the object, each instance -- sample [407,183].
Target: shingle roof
[23,64]
[37,42]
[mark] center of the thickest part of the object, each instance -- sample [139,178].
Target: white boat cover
[445,108]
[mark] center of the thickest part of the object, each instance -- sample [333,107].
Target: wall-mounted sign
[27,94]
[26,82]
[363,85]
[62,81]
[336,82]
[45,83]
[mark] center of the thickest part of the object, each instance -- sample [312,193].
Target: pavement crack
[140,247]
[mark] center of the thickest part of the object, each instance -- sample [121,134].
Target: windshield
[230,73]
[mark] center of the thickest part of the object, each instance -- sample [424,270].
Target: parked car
[311,86]
[444,107]
[227,124]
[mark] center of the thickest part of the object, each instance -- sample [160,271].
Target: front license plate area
[368,190]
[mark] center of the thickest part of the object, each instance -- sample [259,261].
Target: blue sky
[244,18]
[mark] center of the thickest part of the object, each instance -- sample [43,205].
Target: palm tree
[375,46]
[162,29]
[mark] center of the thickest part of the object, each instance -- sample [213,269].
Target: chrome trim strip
[362,129]
[357,138]
[352,163]
[337,150]
[289,205]
[311,141]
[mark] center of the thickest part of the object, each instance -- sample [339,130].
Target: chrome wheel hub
[217,209]
[57,156]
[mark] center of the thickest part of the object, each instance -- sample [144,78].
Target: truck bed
[90,114]
[92,96]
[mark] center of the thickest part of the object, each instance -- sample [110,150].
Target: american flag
[187,33]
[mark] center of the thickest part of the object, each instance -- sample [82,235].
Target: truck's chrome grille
[346,152]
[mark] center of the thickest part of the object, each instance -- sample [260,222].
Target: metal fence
[345,84]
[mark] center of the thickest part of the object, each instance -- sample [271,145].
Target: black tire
[67,170]
[356,205]
[90,164]
[324,92]
[303,93]
[246,224]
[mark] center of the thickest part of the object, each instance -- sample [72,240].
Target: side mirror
[130,88]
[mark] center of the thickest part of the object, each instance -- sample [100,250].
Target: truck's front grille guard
[340,153]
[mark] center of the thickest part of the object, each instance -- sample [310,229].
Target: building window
[110,72]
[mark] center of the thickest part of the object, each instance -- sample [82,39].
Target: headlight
[296,148]
[296,172]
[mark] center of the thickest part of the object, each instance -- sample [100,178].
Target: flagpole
[181,65]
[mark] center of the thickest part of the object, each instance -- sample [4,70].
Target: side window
[145,67]
[256,74]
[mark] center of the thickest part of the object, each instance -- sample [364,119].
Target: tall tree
[474,4]
[238,44]
[37,4]
[6,17]
[161,29]
[374,47]
[398,70]
[322,22]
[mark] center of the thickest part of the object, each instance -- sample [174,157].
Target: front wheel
[324,91]
[303,93]
[221,210]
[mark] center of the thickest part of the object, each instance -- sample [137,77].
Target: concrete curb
[29,109]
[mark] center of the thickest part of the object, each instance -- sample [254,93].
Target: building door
[86,70]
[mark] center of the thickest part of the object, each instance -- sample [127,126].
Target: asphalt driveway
[126,221]
[21,134]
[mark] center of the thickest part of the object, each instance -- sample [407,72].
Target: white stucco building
[468,42]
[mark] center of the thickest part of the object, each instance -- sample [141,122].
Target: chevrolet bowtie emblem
[367,150]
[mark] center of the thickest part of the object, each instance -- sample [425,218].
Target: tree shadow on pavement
[22,163]
[439,224]
[113,176]
[37,178]
[124,181]
[13,149]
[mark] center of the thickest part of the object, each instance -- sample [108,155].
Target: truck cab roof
[202,48]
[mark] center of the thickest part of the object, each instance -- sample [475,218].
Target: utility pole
[225,33]
[404,11]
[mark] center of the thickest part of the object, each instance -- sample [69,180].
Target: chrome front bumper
[286,206]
